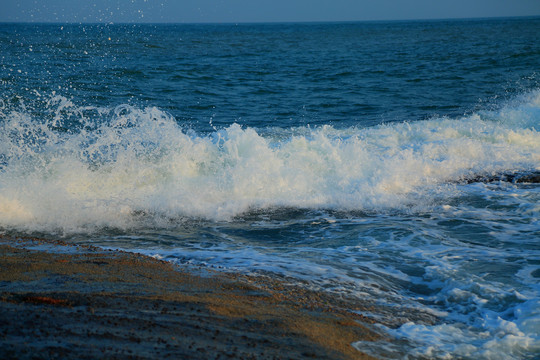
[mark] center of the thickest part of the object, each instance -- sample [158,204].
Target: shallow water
[339,156]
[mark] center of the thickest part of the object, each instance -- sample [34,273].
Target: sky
[239,11]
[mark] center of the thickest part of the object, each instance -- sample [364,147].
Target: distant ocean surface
[372,160]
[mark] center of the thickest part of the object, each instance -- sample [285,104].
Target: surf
[69,168]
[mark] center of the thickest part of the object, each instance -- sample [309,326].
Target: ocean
[393,162]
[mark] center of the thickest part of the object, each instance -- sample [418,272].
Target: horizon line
[260,22]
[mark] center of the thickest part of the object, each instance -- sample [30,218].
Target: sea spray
[78,168]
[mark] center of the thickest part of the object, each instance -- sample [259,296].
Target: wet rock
[516,178]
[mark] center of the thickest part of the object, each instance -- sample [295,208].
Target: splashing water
[89,167]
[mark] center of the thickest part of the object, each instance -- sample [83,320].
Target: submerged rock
[516,178]
[530,178]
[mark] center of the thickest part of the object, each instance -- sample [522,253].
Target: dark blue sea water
[360,159]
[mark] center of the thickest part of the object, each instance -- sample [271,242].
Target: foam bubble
[497,338]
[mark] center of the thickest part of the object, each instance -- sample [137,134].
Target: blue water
[354,158]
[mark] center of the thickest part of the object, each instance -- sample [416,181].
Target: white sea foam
[486,317]
[501,339]
[74,168]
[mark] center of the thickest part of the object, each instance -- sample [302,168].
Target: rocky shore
[63,301]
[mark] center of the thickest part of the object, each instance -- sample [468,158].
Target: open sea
[388,161]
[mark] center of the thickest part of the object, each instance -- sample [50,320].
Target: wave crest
[75,167]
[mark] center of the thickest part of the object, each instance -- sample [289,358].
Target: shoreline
[68,301]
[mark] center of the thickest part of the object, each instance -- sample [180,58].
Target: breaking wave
[65,167]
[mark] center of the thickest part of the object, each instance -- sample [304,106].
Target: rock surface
[88,303]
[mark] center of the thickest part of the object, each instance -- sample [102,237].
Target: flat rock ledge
[67,302]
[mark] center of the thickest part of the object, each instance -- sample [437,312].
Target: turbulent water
[366,159]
